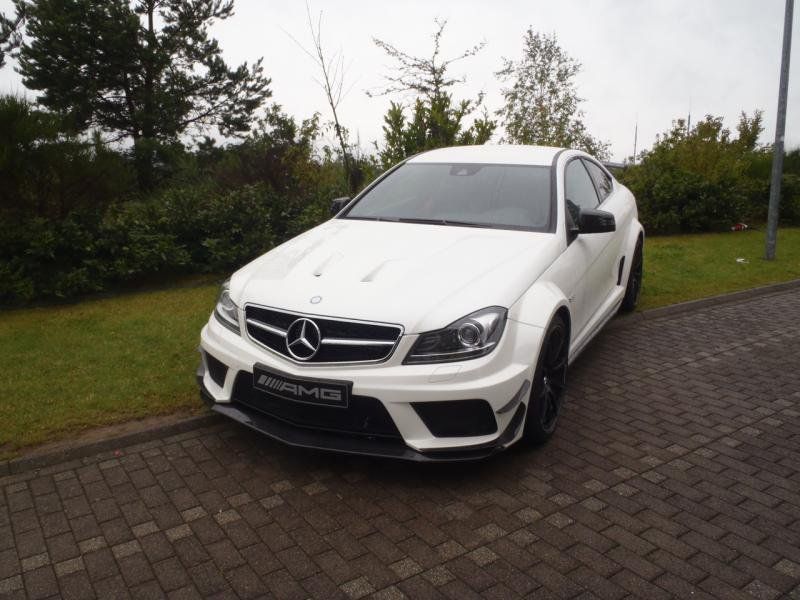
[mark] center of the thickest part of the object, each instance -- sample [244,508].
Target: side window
[578,186]
[601,179]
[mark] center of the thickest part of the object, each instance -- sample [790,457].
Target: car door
[569,272]
[593,257]
[606,275]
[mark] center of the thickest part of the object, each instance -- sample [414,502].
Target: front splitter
[328,441]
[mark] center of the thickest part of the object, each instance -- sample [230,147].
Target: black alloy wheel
[549,384]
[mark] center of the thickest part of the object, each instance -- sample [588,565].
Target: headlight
[226,310]
[473,336]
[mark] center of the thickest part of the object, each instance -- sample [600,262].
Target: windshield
[500,196]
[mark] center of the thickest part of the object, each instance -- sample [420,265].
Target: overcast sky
[646,60]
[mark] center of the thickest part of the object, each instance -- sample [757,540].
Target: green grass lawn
[104,361]
[687,267]
[99,362]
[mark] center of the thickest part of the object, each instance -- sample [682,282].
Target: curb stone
[672,310]
[27,463]
[35,462]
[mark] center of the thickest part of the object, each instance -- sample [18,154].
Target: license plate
[301,389]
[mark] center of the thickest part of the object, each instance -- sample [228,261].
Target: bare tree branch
[421,74]
[332,75]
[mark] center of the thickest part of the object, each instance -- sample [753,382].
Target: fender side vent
[621,267]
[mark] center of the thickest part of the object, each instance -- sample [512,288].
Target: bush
[705,180]
[217,209]
[181,231]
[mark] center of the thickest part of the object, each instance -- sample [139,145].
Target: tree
[332,71]
[10,37]
[434,123]
[542,104]
[142,69]
[48,172]
[436,119]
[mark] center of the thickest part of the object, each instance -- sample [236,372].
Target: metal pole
[780,128]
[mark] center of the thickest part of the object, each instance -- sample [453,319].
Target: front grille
[363,417]
[457,418]
[339,340]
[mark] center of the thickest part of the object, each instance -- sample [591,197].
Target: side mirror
[596,221]
[337,204]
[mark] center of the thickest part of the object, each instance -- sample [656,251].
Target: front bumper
[318,439]
[497,378]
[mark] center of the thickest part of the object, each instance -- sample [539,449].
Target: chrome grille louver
[340,340]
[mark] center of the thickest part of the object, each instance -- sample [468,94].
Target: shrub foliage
[73,221]
[706,179]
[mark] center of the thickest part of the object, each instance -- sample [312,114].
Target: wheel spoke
[554,348]
[551,410]
[560,366]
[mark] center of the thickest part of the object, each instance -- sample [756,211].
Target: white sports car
[435,315]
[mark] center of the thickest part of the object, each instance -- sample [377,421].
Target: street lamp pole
[780,128]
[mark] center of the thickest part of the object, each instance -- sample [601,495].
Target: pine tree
[142,69]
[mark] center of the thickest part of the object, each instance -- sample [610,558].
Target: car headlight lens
[226,310]
[475,335]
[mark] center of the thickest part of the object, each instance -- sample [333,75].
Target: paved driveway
[676,472]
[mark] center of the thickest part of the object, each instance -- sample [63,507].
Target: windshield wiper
[389,219]
[441,222]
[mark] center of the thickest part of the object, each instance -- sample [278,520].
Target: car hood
[420,276]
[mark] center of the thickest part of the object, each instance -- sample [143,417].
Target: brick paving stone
[674,474]
[69,566]
[111,587]
[207,578]
[30,543]
[246,583]
[10,584]
[357,588]
[171,574]
[156,547]
[281,585]
[149,590]
[76,586]
[40,583]
[135,569]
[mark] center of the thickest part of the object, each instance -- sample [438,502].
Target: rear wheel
[549,383]
[634,287]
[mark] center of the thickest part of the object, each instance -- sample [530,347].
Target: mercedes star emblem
[303,339]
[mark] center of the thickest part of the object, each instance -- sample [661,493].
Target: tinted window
[579,188]
[601,179]
[506,196]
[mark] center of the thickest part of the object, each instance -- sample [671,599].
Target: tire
[549,383]
[634,287]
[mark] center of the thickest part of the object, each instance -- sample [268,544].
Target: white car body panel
[419,276]
[426,276]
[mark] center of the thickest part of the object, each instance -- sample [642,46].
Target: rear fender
[634,233]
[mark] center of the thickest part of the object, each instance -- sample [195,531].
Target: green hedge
[180,231]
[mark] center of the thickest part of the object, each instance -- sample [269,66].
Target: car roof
[500,154]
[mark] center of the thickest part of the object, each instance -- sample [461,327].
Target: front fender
[538,304]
